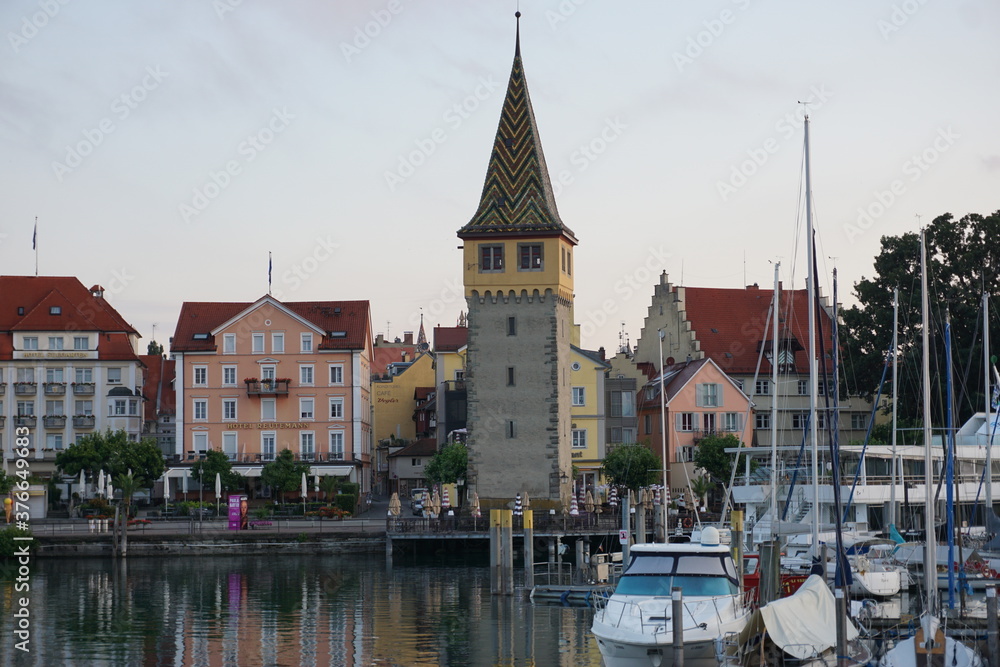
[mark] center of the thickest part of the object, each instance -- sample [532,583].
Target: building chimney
[408,338]
[97,292]
[601,352]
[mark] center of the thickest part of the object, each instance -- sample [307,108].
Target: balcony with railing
[26,420]
[83,388]
[267,387]
[84,421]
[54,421]
[55,388]
[25,388]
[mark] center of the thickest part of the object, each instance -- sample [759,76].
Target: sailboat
[930,645]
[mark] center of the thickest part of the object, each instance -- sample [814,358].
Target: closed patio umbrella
[83,484]
[613,497]
[574,507]
[476,511]
[394,505]
[166,489]
[588,504]
[100,482]
[446,499]
[525,501]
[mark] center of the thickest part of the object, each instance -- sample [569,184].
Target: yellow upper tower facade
[516,240]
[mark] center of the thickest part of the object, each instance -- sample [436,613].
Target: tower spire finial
[517,40]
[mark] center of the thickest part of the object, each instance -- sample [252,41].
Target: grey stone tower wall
[538,403]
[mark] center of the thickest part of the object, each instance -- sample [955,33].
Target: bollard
[841,626]
[579,575]
[677,604]
[992,635]
[529,549]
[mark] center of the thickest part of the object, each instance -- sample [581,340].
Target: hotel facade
[253,379]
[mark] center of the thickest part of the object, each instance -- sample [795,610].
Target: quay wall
[84,546]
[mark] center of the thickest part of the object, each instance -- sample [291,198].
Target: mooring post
[507,551]
[495,552]
[640,523]
[579,561]
[992,635]
[529,549]
[736,523]
[677,612]
[388,551]
[841,626]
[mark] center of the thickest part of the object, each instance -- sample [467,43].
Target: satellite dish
[670,361]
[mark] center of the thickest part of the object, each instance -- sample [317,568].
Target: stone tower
[518,274]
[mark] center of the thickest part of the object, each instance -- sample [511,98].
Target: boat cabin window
[695,574]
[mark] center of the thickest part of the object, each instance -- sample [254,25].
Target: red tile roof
[383,356]
[730,324]
[79,310]
[450,339]
[346,323]
[158,387]
[422,447]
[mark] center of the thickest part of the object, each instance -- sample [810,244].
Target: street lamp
[663,439]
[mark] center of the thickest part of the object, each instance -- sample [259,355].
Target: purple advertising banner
[238,510]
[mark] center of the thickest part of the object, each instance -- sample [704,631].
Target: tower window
[511,326]
[531,256]
[510,376]
[511,430]
[490,258]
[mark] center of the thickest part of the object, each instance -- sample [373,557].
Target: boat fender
[688,522]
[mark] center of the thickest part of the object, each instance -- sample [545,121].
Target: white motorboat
[635,627]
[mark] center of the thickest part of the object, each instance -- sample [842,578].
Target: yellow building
[587,373]
[394,400]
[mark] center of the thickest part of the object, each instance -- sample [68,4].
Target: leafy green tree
[329,485]
[114,453]
[154,348]
[217,462]
[447,466]
[962,263]
[6,483]
[701,486]
[710,456]
[632,466]
[128,484]
[284,473]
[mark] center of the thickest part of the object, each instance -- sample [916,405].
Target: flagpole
[34,245]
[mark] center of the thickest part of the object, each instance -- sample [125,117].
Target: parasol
[588,504]
[435,507]
[394,505]
[100,482]
[476,512]
[517,506]
[83,484]
[574,508]
[446,500]
[613,498]
[166,489]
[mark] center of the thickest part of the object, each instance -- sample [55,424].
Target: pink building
[253,379]
[701,400]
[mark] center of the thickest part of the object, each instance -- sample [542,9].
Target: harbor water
[287,610]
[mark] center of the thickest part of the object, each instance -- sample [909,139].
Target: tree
[284,473]
[329,485]
[447,466]
[701,486]
[710,456]
[7,483]
[154,348]
[217,462]
[115,454]
[631,466]
[128,484]
[962,263]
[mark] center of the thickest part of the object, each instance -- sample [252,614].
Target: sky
[167,148]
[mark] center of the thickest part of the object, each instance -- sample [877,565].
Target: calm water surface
[285,610]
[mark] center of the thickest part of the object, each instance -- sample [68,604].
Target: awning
[322,471]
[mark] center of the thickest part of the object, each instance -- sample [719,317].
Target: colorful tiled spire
[517,195]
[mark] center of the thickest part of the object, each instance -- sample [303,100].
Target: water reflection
[287,610]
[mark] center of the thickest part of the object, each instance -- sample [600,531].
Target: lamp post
[663,439]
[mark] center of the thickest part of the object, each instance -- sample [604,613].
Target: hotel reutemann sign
[55,354]
[270,426]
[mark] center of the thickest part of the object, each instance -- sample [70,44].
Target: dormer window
[55,310]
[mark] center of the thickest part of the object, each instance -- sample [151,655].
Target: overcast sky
[167,147]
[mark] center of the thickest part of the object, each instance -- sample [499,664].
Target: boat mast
[895,365]
[774,400]
[950,461]
[930,541]
[986,400]
[811,292]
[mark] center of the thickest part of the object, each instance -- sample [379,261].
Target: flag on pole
[268,272]
[34,236]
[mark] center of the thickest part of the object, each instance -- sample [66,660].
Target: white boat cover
[803,624]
